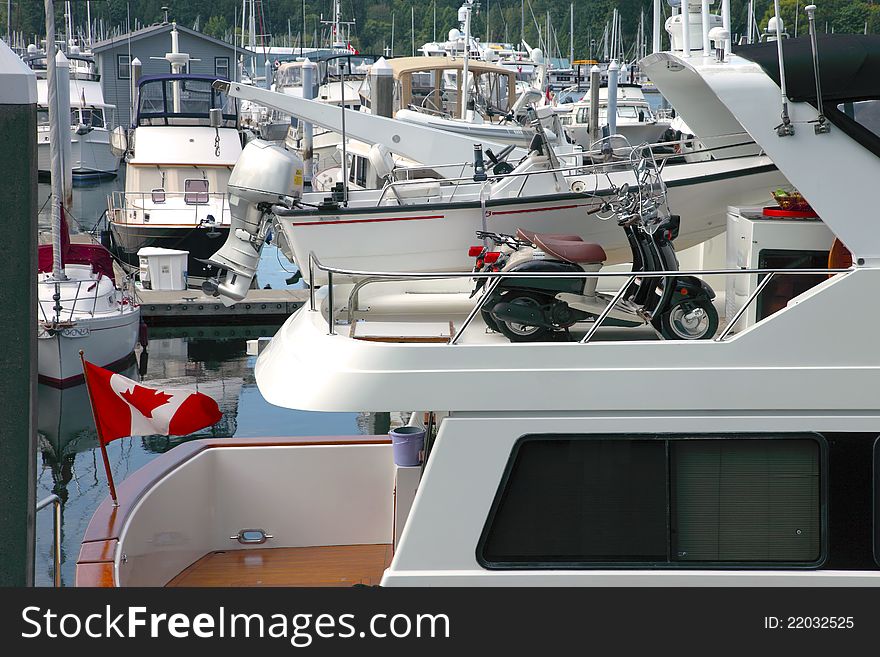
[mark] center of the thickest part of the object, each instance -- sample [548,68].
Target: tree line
[414,22]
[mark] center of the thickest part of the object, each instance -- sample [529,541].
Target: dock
[194,307]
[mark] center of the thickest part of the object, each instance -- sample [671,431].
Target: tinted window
[745,500]
[580,501]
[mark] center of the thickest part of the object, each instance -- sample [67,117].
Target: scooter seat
[574,252]
[530,236]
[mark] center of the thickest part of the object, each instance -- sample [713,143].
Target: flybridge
[182,99]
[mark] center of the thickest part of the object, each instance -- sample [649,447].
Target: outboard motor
[264,175]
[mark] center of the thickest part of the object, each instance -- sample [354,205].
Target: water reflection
[89,202]
[212,359]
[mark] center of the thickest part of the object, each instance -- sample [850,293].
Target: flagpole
[110,483]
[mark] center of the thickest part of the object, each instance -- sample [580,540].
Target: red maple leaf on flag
[145,400]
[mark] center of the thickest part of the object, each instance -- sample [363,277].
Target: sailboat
[80,308]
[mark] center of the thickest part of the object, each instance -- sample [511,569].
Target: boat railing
[493,279]
[55,501]
[620,161]
[139,202]
[573,170]
[64,307]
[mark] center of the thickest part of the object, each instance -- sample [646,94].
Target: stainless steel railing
[65,305]
[55,501]
[120,204]
[493,279]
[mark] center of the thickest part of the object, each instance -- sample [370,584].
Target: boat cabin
[434,85]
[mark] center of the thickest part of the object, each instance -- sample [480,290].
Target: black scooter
[534,309]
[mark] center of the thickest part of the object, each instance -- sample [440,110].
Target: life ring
[839,257]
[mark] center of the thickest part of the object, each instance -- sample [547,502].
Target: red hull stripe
[366,221]
[550,209]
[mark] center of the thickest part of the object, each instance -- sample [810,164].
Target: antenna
[822,126]
[784,129]
[165,10]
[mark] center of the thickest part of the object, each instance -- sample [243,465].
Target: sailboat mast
[466,9]
[68,22]
[252,39]
[571,35]
[89,21]
[487,21]
[54,140]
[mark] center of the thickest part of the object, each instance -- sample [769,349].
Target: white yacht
[91,118]
[635,119]
[615,460]
[180,153]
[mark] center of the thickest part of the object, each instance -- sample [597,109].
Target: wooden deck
[335,565]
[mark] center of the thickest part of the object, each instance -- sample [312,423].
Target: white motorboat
[635,118]
[180,153]
[91,118]
[616,460]
[427,224]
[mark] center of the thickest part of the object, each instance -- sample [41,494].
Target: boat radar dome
[537,55]
[454,34]
[32,48]
[771,25]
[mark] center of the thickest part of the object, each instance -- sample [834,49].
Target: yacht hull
[90,153]
[201,243]
[435,237]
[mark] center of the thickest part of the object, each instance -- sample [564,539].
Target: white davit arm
[420,143]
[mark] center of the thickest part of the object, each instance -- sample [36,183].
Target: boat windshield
[289,76]
[182,101]
[866,113]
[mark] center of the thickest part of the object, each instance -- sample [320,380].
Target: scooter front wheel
[516,332]
[689,320]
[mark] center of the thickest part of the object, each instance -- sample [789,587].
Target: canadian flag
[123,407]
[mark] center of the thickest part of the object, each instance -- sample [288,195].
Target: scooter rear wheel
[689,320]
[524,332]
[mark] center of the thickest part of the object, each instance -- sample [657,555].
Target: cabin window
[588,501]
[123,67]
[866,113]
[158,195]
[93,117]
[195,191]
[42,117]
[221,67]
[583,115]
[361,171]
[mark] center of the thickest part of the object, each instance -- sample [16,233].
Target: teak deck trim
[332,565]
[95,565]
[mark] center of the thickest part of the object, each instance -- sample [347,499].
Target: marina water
[212,359]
